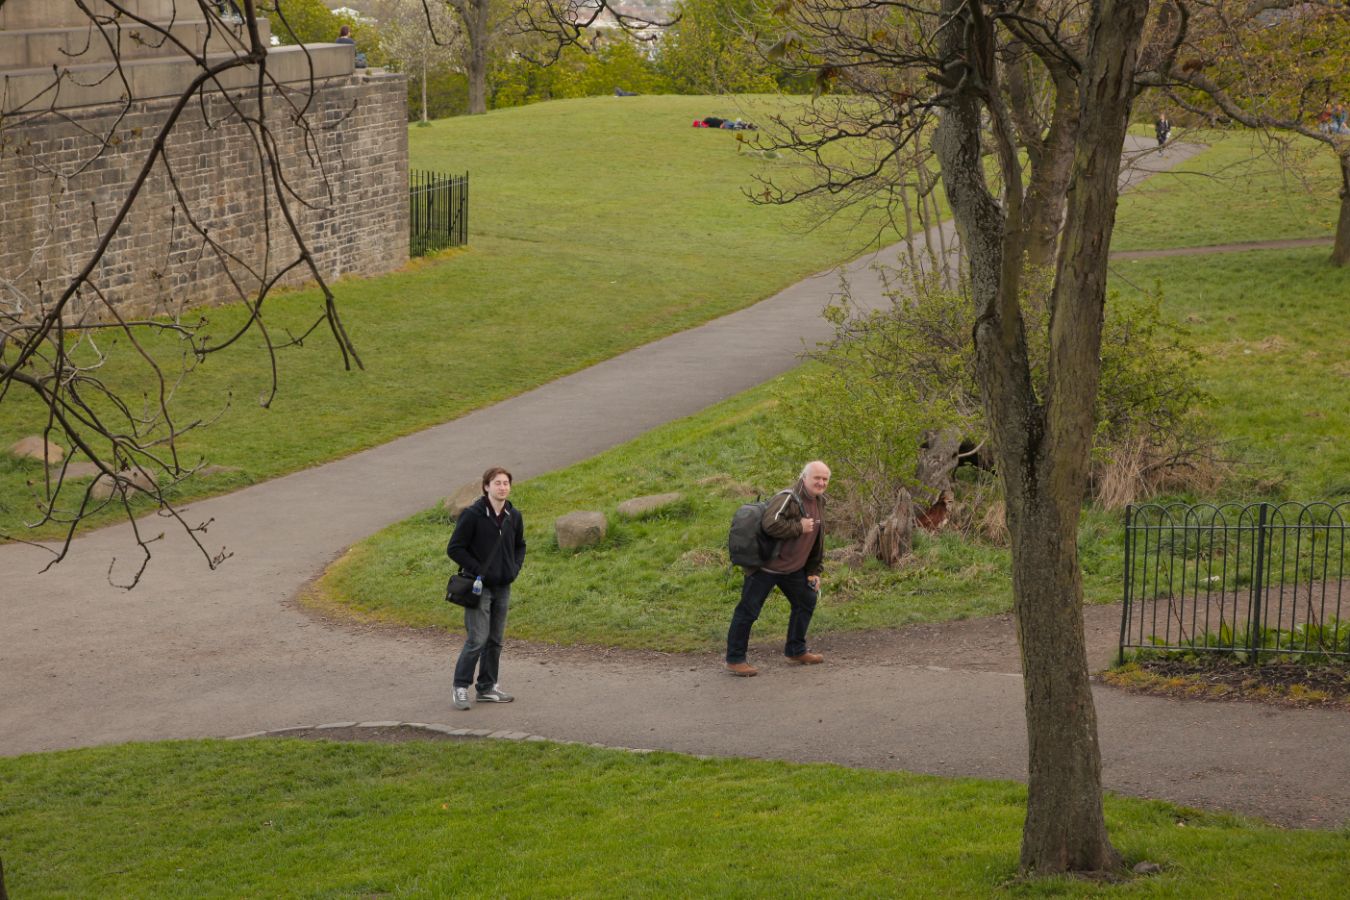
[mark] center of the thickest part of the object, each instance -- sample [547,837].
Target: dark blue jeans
[484,629]
[754,592]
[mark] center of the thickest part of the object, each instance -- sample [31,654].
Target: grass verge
[288,818]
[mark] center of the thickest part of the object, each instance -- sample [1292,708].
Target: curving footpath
[192,653]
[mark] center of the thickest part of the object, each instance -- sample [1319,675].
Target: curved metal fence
[1251,581]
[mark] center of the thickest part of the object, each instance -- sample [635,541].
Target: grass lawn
[1234,192]
[288,818]
[1273,333]
[596,226]
[1273,329]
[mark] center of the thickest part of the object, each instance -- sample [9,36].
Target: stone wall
[59,193]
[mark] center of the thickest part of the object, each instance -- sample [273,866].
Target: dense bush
[890,380]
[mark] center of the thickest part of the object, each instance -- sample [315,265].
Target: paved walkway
[193,653]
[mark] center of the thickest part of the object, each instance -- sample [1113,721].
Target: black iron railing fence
[438,207]
[1253,581]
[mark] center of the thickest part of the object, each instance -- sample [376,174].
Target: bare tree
[985,85]
[56,338]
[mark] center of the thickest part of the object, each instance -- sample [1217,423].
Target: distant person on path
[488,542]
[796,519]
[1340,117]
[1162,128]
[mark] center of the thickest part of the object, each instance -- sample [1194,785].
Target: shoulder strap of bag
[793,494]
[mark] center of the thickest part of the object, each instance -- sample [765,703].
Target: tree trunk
[424,88]
[892,539]
[1050,180]
[1042,439]
[1050,156]
[1340,251]
[478,53]
[1065,829]
[473,15]
[477,79]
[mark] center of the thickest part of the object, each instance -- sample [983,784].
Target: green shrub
[890,378]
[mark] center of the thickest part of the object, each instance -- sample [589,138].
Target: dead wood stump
[891,539]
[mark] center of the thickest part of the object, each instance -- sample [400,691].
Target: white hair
[806,469]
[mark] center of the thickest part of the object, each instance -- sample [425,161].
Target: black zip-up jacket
[475,536]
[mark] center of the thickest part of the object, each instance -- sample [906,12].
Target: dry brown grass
[727,486]
[701,558]
[993,524]
[1141,469]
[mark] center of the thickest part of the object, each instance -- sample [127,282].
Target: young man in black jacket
[488,542]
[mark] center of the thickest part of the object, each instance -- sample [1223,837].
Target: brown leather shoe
[745,670]
[805,659]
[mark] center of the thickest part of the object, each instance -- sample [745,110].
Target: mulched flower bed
[1216,679]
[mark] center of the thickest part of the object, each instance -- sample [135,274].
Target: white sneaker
[494,694]
[461,698]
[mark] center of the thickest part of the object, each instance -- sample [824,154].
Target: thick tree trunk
[1065,829]
[1340,251]
[477,72]
[473,16]
[1042,441]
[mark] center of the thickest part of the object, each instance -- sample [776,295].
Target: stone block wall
[59,193]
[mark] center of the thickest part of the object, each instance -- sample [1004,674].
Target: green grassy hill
[596,226]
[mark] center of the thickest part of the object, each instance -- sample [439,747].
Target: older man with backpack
[793,522]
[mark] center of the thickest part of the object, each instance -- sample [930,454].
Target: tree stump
[892,539]
[938,458]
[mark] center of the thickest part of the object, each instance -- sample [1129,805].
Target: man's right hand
[808,524]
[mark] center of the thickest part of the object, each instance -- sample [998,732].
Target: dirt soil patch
[384,734]
[1279,684]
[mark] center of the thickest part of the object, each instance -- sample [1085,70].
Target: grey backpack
[747,543]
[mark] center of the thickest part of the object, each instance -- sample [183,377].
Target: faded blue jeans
[484,629]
